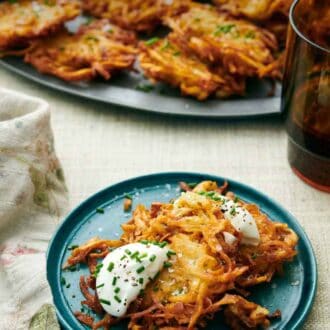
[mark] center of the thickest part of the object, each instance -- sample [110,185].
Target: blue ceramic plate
[293,293]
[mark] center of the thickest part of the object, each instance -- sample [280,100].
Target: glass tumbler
[306,92]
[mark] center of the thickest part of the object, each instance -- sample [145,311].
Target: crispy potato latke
[259,10]
[21,21]
[138,15]
[239,46]
[96,49]
[163,60]
[207,273]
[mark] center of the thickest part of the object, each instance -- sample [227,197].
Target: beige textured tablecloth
[101,144]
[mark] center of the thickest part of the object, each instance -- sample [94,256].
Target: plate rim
[67,89]
[307,307]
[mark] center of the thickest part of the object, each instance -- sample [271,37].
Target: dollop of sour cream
[242,220]
[125,272]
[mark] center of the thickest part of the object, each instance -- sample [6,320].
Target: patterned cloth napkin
[33,198]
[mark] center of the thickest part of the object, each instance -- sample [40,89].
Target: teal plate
[292,293]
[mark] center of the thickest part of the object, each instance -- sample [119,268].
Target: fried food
[96,49]
[21,21]
[162,60]
[259,10]
[138,15]
[239,46]
[204,266]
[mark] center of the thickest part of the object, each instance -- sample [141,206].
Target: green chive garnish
[63,281]
[170,253]
[152,41]
[117,290]
[144,241]
[128,252]
[162,244]
[100,286]
[68,285]
[123,257]
[128,196]
[106,302]
[135,254]
[100,210]
[152,258]
[72,247]
[114,281]
[111,266]
[236,199]
[140,270]
[117,298]
[141,280]
[167,264]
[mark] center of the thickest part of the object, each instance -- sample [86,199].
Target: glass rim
[298,32]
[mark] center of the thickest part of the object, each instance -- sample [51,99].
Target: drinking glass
[306,92]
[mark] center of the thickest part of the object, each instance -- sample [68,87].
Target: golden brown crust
[205,266]
[259,10]
[24,20]
[99,49]
[165,60]
[137,15]
[241,47]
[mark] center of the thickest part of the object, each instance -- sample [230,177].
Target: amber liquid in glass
[306,93]
[308,127]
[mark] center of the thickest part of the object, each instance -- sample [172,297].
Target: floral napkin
[33,198]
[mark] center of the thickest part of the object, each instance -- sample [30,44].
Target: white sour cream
[125,272]
[242,220]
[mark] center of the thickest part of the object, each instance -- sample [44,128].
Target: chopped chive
[123,257]
[165,45]
[114,281]
[250,35]
[100,210]
[224,29]
[170,253]
[100,286]
[167,264]
[128,252]
[140,270]
[68,285]
[152,41]
[155,288]
[106,302]
[72,247]
[63,281]
[233,211]
[143,255]
[73,268]
[135,254]
[144,88]
[128,196]
[236,199]
[141,280]
[144,241]
[99,266]
[117,299]
[111,266]
[192,184]
[177,53]
[162,244]
[152,258]
[141,293]
[117,290]
[157,274]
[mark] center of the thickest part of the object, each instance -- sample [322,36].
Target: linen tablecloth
[100,144]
